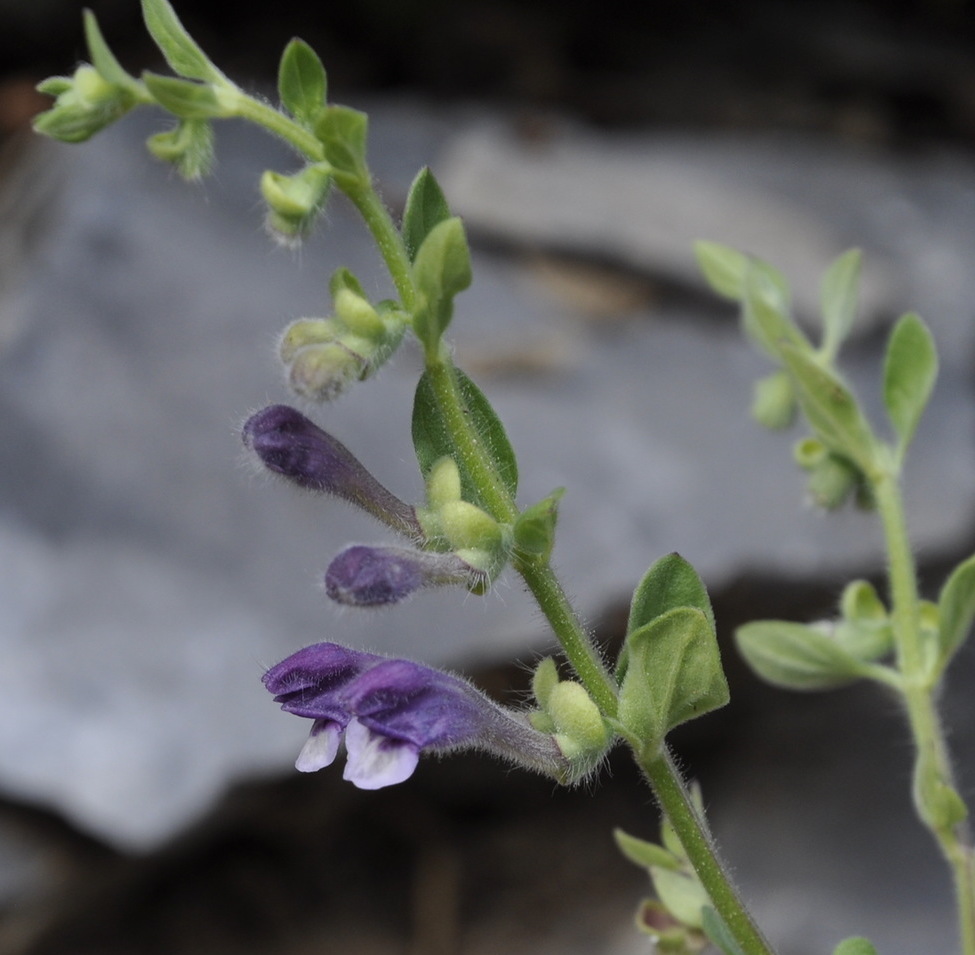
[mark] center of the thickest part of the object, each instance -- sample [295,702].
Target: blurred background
[147,799]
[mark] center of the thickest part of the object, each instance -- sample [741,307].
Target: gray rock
[147,576]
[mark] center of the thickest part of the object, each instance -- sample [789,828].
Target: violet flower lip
[289,444]
[389,711]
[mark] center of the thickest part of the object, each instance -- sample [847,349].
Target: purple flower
[391,710]
[366,576]
[290,444]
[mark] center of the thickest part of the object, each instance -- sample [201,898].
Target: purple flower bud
[363,576]
[289,444]
[390,711]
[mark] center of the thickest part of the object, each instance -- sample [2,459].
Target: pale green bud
[774,401]
[579,724]
[831,482]
[465,525]
[443,483]
[295,201]
[306,331]
[544,680]
[358,315]
[321,372]
[861,603]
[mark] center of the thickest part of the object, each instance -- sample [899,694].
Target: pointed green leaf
[670,582]
[181,51]
[674,674]
[956,608]
[718,933]
[723,267]
[302,83]
[432,441]
[104,60]
[795,656]
[682,895]
[185,98]
[643,853]
[830,408]
[765,312]
[441,269]
[343,132]
[425,208]
[910,370]
[534,531]
[838,294]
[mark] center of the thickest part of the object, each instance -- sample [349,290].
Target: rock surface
[146,576]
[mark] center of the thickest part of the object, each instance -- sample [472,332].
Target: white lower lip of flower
[320,748]
[376,761]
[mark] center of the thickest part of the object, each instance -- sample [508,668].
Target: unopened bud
[357,314]
[581,731]
[322,372]
[774,401]
[295,201]
[364,576]
[831,482]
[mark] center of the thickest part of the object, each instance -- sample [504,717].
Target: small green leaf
[956,608]
[795,656]
[181,51]
[426,207]
[765,312]
[670,582]
[432,441]
[723,267]
[643,853]
[682,895]
[674,674]
[718,933]
[534,531]
[441,269]
[830,408]
[104,60]
[302,83]
[342,132]
[838,294]
[910,370]
[855,946]
[185,98]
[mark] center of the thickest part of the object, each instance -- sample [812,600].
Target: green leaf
[830,408]
[670,582]
[910,370]
[765,312]
[441,269]
[723,267]
[855,946]
[682,895]
[104,60]
[342,132]
[426,207]
[431,436]
[956,609]
[838,295]
[796,656]
[185,98]
[534,531]
[302,83]
[643,853]
[181,51]
[718,933]
[674,674]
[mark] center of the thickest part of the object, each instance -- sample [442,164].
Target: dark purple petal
[289,444]
[366,576]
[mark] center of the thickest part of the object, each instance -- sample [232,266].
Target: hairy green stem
[692,830]
[919,698]
[277,123]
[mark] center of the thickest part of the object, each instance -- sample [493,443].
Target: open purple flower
[373,576]
[391,710]
[289,444]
